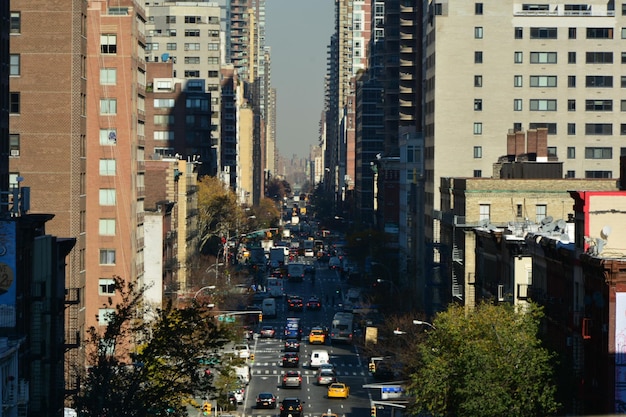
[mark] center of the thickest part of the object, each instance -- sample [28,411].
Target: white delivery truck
[243,373]
[269,307]
[318,357]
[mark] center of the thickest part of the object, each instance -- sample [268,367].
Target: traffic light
[260,317]
[206,408]
[372,367]
[373,412]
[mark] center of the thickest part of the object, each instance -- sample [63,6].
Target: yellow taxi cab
[317,336]
[338,390]
[329,413]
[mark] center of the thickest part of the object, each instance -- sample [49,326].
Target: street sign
[226,318]
[391,391]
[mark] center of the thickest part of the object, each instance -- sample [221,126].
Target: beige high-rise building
[500,65]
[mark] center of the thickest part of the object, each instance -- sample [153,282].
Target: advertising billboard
[7,272]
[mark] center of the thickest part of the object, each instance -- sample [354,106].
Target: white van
[269,307]
[243,373]
[318,357]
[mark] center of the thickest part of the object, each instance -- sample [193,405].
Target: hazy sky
[298,31]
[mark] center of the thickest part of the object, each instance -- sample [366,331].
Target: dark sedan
[291,360]
[292,345]
[266,400]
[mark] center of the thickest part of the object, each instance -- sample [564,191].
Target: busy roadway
[266,365]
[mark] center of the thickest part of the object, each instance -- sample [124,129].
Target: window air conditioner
[15,152]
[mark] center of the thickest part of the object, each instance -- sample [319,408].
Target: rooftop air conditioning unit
[15,152]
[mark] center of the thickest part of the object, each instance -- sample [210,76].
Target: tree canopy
[489,362]
[144,364]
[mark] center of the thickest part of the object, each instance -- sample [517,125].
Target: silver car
[292,379]
[326,377]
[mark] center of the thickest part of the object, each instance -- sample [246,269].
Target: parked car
[291,360]
[292,345]
[239,394]
[292,379]
[326,377]
[291,407]
[268,332]
[242,351]
[266,400]
[338,390]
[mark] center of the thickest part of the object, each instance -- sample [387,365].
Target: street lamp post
[216,266]
[208,287]
[425,323]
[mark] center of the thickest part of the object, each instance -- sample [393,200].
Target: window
[571,81]
[197,103]
[484,212]
[108,76]
[14,102]
[15,24]
[542,105]
[163,119]
[571,152]
[192,60]
[438,9]
[478,128]
[107,256]
[213,74]
[543,80]
[622,129]
[598,129]
[214,33]
[599,57]
[517,104]
[193,19]
[163,103]
[478,57]
[106,286]
[599,81]
[598,153]
[478,80]
[517,127]
[108,43]
[541,211]
[478,152]
[192,47]
[170,32]
[518,57]
[550,126]
[192,74]
[622,82]
[599,33]
[105,315]
[213,60]
[478,8]
[552,151]
[571,128]
[543,57]
[571,105]
[478,104]
[195,33]
[106,227]
[14,144]
[571,33]
[214,46]
[14,64]
[598,174]
[571,57]
[478,173]
[170,46]
[478,32]
[543,33]
[519,33]
[599,105]
[570,174]
[163,135]
[107,196]
[170,19]
[622,105]
[517,80]
[623,9]
[108,106]
[108,137]
[107,167]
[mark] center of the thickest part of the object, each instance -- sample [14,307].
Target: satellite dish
[112,136]
[600,245]
[606,231]
[547,219]
[165,57]
[561,224]
[564,237]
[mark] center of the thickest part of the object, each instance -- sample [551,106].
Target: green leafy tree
[489,362]
[147,364]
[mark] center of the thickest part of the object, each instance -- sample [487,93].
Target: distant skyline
[298,32]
